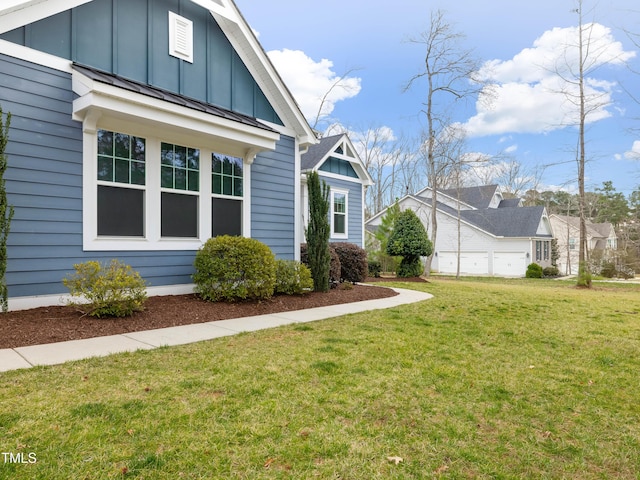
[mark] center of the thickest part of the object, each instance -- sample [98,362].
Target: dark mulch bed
[56,324]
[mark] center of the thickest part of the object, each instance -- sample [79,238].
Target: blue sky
[313,44]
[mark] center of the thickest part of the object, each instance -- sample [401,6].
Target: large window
[180,182]
[339,207]
[121,184]
[154,194]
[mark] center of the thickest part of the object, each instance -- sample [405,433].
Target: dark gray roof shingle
[317,152]
[478,197]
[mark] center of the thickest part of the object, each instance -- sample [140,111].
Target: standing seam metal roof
[167,96]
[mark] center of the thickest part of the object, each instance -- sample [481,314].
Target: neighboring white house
[497,236]
[601,240]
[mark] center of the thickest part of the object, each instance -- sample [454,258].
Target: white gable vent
[180,37]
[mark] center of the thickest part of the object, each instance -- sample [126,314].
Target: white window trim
[102,106]
[345,235]
[152,241]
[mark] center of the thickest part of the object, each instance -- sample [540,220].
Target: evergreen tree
[318,232]
[6,211]
[409,239]
[382,234]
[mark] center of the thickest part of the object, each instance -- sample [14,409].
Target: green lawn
[490,379]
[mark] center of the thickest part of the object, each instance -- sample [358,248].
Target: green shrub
[108,290]
[375,268]
[317,232]
[335,269]
[584,275]
[353,261]
[608,270]
[550,271]
[409,239]
[234,268]
[534,271]
[292,277]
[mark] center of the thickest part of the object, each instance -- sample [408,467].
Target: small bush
[335,269]
[375,268]
[292,277]
[353,262]
[550,271]
[234,268]
[608,270]
[534,271]
[109,290]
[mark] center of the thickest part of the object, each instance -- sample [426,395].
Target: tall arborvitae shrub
[318,232]
[6,211]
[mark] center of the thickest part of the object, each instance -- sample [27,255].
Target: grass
[489,379]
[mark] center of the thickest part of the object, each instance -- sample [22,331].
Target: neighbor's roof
[478,197]
[508,221]
[514,222]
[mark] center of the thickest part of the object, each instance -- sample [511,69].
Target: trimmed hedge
[534,271]
[234,268]
[353,261]
[292,277]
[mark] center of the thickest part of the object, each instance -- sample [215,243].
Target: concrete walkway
[56,353]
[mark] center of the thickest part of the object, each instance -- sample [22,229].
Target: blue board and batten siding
[130,38]
[354,206]
[44,184]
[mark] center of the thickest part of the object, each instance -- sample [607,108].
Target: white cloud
[310,81]
[634,153]
[511,149]
[533,92]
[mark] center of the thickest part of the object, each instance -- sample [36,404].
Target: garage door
[509,264]
[471,263]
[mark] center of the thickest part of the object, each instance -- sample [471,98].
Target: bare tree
[448,69]
[587,102]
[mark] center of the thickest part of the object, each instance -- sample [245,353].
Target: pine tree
[6,211]
[318,232]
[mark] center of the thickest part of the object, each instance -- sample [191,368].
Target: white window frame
[335,235]
[102,106]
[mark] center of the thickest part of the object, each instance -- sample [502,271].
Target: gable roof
[319,153]
[508,221]
[18,13]
[478,197]
[594,230]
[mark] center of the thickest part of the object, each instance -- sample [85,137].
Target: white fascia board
[34,56]
[257,61]
[358,164]
[18,13]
